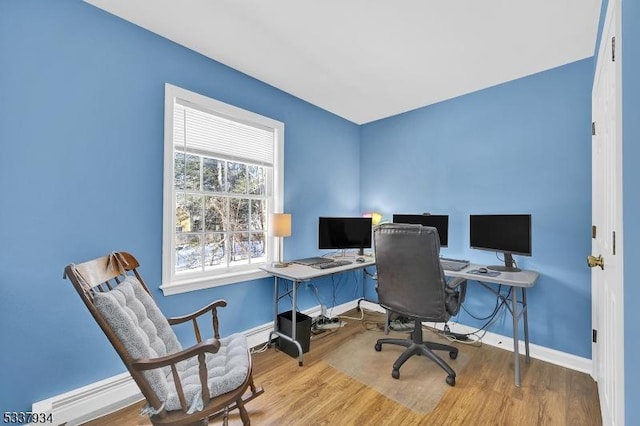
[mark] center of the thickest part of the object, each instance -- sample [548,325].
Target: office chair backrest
[411,281]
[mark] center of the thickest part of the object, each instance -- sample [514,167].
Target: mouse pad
[486,274]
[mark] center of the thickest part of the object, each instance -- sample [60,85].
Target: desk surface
[523,278]
[296,272]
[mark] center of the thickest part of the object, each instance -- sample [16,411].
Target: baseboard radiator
[115,393]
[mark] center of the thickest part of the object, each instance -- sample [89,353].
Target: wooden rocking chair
[181,386]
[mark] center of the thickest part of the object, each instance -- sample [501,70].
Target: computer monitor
[341,233]
[438,221]
[506,233]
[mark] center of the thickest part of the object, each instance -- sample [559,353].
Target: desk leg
[294,308]
[276,331]
[275,304]
[525,309]
[364,284]
[294,321]
[516,350]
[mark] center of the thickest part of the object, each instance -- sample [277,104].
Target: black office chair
[411,283]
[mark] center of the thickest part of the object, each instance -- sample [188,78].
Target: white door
[606,279]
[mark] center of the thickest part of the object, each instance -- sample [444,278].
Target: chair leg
[440,347]
[225,417]
[408,353]
[401,342]
[243,412]
[417,346]
[423,349]
[426,351]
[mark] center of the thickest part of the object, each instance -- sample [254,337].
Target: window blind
[209,133]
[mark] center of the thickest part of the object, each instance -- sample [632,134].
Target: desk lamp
[280,226]
[376,218]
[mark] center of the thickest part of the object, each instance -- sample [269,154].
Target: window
[223,176]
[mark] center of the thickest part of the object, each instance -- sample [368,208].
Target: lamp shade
[376,217]
[280,225]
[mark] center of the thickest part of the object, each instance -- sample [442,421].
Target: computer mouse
[483,270]
[360,259]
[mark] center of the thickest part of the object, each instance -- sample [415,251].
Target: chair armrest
[455,291]
[211,307]
[456,282]
[199,350]
[208,346]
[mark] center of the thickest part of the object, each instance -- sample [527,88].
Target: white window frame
[172,283]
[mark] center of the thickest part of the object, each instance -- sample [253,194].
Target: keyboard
[333,264]
[310,261]
[453,264]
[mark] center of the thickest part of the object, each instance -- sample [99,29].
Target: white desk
[515,280]
[298,274]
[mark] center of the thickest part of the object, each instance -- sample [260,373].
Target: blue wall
[631,211]
[81,175]
[520,147]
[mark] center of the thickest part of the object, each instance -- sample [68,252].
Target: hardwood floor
[484,394]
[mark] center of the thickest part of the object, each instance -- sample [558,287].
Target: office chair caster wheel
[451,380]
[395,373]
[453,355]
[378,347]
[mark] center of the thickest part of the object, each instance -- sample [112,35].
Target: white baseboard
[542,353]
[115,393]
[92,401]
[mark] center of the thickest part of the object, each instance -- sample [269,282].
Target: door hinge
[613,49]
[594,230]
[593,128]
[613,238]
[594,335]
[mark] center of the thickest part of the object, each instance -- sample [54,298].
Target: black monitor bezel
[364,243]
[426,220]
[503,248]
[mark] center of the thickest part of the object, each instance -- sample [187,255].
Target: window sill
[201,283]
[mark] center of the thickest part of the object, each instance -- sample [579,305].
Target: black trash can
[303,332]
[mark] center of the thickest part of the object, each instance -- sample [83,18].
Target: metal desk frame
[298,274]
[515,280]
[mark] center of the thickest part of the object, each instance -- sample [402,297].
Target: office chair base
[417,346]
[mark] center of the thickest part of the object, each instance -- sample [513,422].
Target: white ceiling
[369,59]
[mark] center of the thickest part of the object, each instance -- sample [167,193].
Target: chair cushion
[140,326]
[227,370]
[145,333]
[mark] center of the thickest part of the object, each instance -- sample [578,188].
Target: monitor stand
[343,253]
[509,265]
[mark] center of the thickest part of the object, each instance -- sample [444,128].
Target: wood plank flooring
[484,394]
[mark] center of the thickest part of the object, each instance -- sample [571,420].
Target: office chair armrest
[211,307]
[455,290]
[456,282]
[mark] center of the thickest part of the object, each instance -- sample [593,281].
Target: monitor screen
[339,233]
[440,222]
[506,233]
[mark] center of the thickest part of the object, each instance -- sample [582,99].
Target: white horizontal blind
[210,133]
